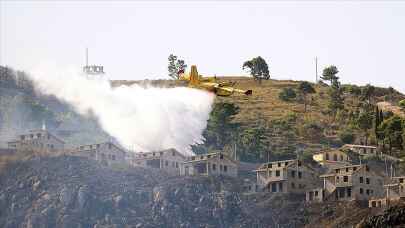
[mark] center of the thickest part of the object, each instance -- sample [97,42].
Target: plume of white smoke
[145,119]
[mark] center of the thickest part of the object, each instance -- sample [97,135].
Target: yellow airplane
[210,83]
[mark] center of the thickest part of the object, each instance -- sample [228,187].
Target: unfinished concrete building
[393,191]
[107,153]
[347,183]
[37,140]
[331,158]
[171,161]
[315,195]
[361,149]
[287,176]
[211,164]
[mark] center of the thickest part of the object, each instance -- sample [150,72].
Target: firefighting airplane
[209,83]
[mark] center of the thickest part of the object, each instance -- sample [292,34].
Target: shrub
[347,136]
[313,131]
[352,89]
[402,104]
[287,94]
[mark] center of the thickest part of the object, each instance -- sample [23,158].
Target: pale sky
[132,39]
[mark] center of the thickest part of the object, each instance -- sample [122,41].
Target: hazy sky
[365,40]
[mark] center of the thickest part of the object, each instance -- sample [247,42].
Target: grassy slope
[264,99]
[265,104]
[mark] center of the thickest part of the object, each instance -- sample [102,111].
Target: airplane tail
[194,78]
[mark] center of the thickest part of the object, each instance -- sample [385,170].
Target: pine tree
[172,66]
[175,66]
[329,74]
[336,101]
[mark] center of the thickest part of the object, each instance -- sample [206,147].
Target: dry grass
[264,103]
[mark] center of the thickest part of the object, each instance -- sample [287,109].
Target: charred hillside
[66,191]
[75,192]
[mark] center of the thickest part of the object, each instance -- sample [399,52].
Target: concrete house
[169,160]
[361,149]
[107,153]
[315,195]
[211,164]
[394,191]
[331,158]
[346,183]
[40,140]
[286,176]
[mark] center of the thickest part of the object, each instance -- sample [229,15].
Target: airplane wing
[227,91]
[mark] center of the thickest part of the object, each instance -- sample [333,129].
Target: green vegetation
[175,66]
[305,89]
[271,124]
[287,94]
[365,123]
[367,93]
[329,74]
[402,104]
[336,101]
[347,136]
[392,130]
[258,68]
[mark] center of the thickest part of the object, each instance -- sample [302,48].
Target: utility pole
[87,56]
[316,69]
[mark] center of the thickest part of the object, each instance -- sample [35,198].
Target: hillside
[22,109]
[284,125]
[64,191]
[260,127]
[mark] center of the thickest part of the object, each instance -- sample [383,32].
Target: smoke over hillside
[143,119]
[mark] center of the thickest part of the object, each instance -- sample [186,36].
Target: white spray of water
[145,119]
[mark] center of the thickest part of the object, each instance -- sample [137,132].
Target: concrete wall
[37,140]
[287,176]
[170,161]
[215,164]
[366,185]
[315,195]
[301,183]
[106,153]
[347,184]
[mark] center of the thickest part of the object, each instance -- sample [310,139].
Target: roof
[391,185]
[359,146]
[161,151]
[291,163]
[398,177]
[332,173]
[328,175]
[330,150]
[34,131]
[264,165]
[205,157]
[95,144]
